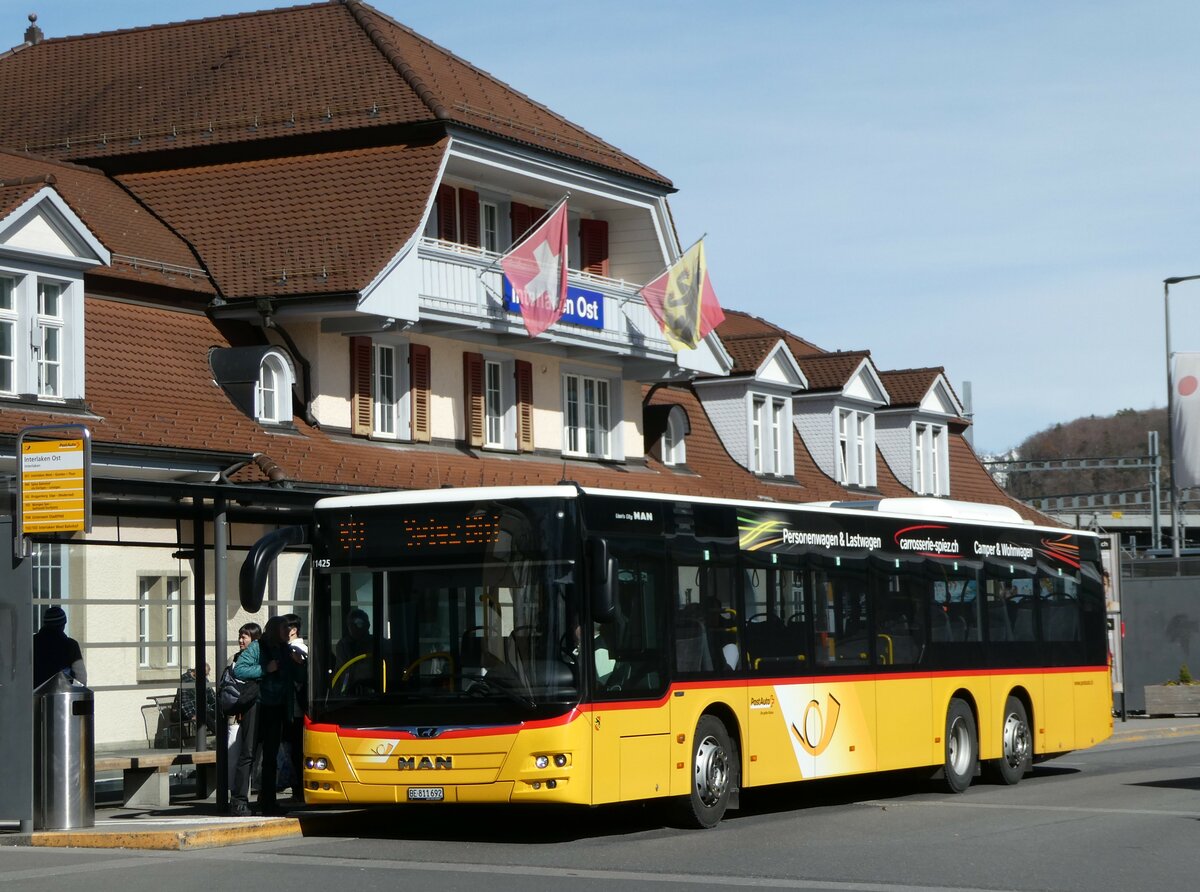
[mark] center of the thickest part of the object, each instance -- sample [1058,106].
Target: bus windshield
[440,614]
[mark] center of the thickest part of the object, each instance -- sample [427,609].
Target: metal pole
[1170,422]
[220,633]
[1155,492]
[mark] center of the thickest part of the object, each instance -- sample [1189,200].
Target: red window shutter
[468,215]
[521,217]
[418,362]
[361,423]
[447,218]
[593,246]
[523,372]
[473,397]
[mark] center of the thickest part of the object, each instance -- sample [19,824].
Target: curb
[1140,736]
[164,839]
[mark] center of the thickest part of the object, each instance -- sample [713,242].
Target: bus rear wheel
[1017,744]
[962,746]
[714,774]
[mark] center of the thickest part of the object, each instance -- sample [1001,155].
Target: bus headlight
[541,761]
[560,760]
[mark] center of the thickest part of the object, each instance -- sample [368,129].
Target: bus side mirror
[252,581]
[602,571]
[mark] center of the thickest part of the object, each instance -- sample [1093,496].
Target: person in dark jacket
[276,704]
[54,651]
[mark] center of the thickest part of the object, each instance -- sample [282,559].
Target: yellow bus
[561,645]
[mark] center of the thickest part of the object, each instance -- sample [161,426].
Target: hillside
[1122,435]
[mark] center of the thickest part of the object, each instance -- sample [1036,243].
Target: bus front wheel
[962,746]
[714,774]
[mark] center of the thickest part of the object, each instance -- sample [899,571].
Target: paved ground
[191,824]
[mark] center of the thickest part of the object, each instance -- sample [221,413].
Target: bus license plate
[426,794]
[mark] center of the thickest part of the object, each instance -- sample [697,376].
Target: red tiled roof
[145,249]
[301,71]
[323,223]
[738,324]
[749,351]
[907,387]
[831,371]
[14,194]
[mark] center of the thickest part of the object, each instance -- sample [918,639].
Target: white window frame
[776,422]
[9,325]
[50,338]
[45,362]
[758,406]
[930,459]
[160,609]
[770,445]
[390,413]
[489,230]
[674,446]
[590,432]
[854,432]
[273,389]
[50,580]
[493,404]
[920,432]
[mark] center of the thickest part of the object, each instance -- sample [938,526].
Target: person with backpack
[246,668]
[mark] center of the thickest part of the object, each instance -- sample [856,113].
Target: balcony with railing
[462,285]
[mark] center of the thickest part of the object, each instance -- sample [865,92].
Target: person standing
[245,667]
[296,650]
[276,705]
[54,651]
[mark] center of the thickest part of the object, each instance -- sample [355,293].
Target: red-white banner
[537,270]
[1185,425]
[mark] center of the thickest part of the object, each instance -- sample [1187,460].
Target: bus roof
[916,507]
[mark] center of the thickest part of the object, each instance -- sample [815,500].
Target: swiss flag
[537,270]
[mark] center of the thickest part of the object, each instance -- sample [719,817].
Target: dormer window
[855,448]
[273,395]
[674,446]
[770,436]
[930,460]
[42,314]
[44,250]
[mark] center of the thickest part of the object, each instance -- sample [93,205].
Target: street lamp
[1167,283]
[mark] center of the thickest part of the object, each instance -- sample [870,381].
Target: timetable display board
[54,480]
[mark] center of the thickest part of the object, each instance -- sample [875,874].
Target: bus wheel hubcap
[1016,741]
[959,746]
[712,771]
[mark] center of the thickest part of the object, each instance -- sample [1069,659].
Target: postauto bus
[561,645]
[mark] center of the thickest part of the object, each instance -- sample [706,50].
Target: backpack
[235,695]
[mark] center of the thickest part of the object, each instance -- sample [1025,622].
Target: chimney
[33,34]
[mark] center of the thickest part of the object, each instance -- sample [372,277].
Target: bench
[146,777]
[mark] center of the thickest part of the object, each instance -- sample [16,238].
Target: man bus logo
[817,732]
[419,763]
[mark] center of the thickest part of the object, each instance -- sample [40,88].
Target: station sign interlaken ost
[53,486]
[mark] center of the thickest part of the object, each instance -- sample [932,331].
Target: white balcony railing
[463,285]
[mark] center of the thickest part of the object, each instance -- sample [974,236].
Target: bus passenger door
[778,656]
[631,743]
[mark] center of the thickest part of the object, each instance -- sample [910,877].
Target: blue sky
[996,188]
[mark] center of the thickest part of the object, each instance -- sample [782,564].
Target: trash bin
[64,747]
